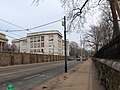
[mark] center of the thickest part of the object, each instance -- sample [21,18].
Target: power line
[11,24]
[35,27]
[11,33]
[45,24]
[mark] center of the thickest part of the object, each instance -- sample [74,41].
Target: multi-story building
[3,41]
[44,42]
[48,42]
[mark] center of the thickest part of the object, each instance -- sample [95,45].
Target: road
[25,77]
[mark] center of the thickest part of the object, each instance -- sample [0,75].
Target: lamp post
[64,24]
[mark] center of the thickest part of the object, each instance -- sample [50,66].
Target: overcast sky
[26,15]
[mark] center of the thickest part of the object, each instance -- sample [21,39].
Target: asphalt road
[26,77]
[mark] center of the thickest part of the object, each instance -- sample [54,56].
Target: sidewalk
[81,77]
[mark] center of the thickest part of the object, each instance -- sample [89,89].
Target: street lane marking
[31,77]
[42,75]
[4,85]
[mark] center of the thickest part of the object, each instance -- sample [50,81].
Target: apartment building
[44,42]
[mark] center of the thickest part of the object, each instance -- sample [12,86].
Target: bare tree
[94,37]
[77,10]
[99,35]
[73,47]
[13,48]
[106,24]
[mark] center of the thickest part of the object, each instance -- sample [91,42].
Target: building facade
[44,42]
[67,47]
[3,41]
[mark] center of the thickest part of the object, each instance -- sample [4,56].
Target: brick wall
[7,58]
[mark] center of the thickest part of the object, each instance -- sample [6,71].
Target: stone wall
[109,73]
[7,58]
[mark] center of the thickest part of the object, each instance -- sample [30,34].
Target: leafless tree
[13,48]
[77,10]
[94,37]
[99,35]
[106,24]
[73,47]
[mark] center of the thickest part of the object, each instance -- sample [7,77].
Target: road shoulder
[81,77]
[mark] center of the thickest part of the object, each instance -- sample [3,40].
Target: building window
[42,44]
[38,45]
[31,45]
[42,50]
[38,39]
[35,45]
[38,50]
[35,50]
[31,39]
[34,39]
[51,39]
[42,38]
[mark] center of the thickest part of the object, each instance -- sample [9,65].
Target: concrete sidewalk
[81,77]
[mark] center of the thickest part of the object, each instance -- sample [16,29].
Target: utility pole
[64,24]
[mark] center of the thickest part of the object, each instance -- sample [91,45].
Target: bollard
[10,87]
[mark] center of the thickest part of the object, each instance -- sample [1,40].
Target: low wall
[7,58]
[109,73]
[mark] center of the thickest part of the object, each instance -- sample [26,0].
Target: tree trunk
[115,21]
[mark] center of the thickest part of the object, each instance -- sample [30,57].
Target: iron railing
[111,50]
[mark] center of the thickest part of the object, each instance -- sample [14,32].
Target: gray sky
[26,15]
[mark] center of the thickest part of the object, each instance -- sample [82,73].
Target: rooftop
[44,33]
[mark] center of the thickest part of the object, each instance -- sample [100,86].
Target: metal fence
[110,51]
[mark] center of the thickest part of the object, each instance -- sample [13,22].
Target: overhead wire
[9,35]
[29,29]
[45,24]
[11,23]
[23,29]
